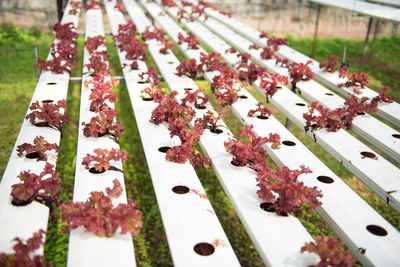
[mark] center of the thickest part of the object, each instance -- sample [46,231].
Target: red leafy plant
[65,31]
[275,43]
[99,216]
[199,98]
[230,50]
[263,34]
[254,46]
[263,112]
[98,63]
[155,33]
[210,121]
[250,153]
[152,92]
[190,40]
[344,72]
[75,7]
[101,91]
[188,68]
[38,149]
[331,251]
[168,3]
[357,80]
[120,7]
[270,83]
[49,115]
[104,124]
[383,97]
[197,11]
[100,162]
[300,72]
[24,252]
[42,188]
[329,66]
[168,45]
[149,76]
[93,43]
[250,72]
[285,193]
[267,53]
[92,4]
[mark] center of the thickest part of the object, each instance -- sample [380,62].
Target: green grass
[18,81]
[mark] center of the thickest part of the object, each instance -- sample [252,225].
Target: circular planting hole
[199,106]
[216,130]
[262,117]
[94,171]
[288,143]
[368,154]
[180,189]
[188,88]
[300,104]
[204,249]
[361,113]
[235,164]
[325,179]
[330,94]
[51,83]
[41,124]
[147,98]
[170,62]
[141,82]
[243,96]
[47,101]
[376,230]
[33,155]
[164,149]
[396,136]
[266,206]
[20,203]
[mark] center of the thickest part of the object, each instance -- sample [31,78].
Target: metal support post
[316,31]
[365,44]
[374,38]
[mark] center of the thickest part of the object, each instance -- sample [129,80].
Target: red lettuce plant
[120,7]
[49,115]
[331,251]
[152,93]
[198,11]
[261,110]
[344,72]
[267,53]
[188,68]
[275,43]
[104,124]
[254,46]
[93,43]
[210,121]
[282,62]
[42,188]
[190,40]
[98,62]
[263,34]
[75,7]
[226,94]
[102,91]
[211,62]
[99,216]
[151,76]
[300,72]
[284,191]
[199,98]
[183,14]
[101,160]
[65,31]
[155,33]
[270,83]
[230,50]
[38,149]
[244,58]
[168,45]
[250,72]
[24,252]
[250,153]
[92,4]
[382,97]
[329,66]
[357,80]
[168,3]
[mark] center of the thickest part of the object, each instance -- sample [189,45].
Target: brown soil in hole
[204,249]
[33,155]
[180,189]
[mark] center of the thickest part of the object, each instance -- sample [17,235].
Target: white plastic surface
[85,248]
[348,215]
[188,218]
[388,111]
[13,220]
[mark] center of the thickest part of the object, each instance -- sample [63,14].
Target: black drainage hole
[141,82]
[164,149]
[33,155]
[41,124]
[368,154]
[204,249]
[51,83]
[234,163]
[266,206]
[47,101]
[288,143]
[376,230]
[396,136]
[94,171]
[262,117]
[360,113]
[330,94]
[180,189]
[243,96]
[147,98]
[300,104]
[199,106]
[216,130]
[187,88]
[325,179]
